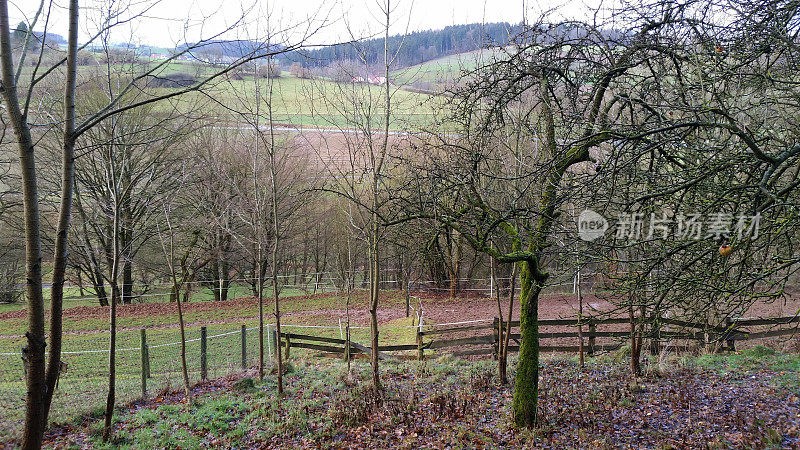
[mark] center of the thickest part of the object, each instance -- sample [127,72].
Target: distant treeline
[414,48]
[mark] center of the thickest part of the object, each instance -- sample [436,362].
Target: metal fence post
[203,362]
[145,363]
[244,347]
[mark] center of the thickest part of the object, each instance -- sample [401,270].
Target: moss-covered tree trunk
[526,389]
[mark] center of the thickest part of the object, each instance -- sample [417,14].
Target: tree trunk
[112,363]
[512,291]
[526,390]
[127,281]
[502,329]
[217,283]
[580,319]
[260,287]
[373,304]
[184,367]
[224,279]
[276,232]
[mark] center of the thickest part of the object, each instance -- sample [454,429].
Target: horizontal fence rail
[599,334]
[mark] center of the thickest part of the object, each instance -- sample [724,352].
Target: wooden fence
[562,336]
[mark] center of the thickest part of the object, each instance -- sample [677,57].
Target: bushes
[173,80]
[271,70]
[297,70]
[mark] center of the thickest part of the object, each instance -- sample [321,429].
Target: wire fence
[83,385]
[82,388]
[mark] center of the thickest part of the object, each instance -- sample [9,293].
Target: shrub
[297,70]
[173,80]
[270,70]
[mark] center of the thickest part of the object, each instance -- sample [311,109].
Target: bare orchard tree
[704,193]
[536,115]
[271,193]
[20,101]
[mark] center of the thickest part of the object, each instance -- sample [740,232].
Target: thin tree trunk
[580,319]
[112,364]
[184,366]
[115,298]
[65,214]
[276,237]
[373,303]
[261,318]
[501,329]
[511,294]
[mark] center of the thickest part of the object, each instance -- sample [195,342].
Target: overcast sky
[167,22]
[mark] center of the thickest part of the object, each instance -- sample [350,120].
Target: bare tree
[41,375]
[362,176]
[531,119]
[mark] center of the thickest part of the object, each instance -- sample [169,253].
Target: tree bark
[526,391]
[184,367]
[127,281]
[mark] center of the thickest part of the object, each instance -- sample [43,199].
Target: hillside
[435,74]
[413,48]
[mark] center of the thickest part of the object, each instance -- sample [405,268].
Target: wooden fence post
[244,347]
[655,332]
[730,342]
[496,332]
[288,346]
[706,340]
[145,364]
[272,341]
[203,362]
[347,344]
[592,330]
[420,346]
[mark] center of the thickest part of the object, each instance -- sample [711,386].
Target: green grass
[443,70]
[82,388]
[313,103]
[320,398]
[784,367]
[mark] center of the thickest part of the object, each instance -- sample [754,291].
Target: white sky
[168,22]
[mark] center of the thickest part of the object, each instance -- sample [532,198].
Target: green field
[440,71]
[317,102]
[82,388]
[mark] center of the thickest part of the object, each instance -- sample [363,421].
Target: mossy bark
[526,390]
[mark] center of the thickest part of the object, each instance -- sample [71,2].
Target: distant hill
[52,38]
[436,73]
[415,48]
[222,50]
